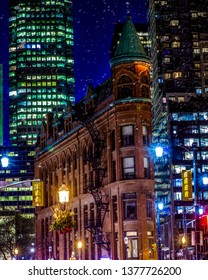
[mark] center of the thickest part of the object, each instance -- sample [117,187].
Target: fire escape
[95,226]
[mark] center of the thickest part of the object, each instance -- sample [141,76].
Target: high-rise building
[188,123]
[179,53]
[1,104]
[41,64]
[179,38]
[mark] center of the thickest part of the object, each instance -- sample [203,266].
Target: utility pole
[196,203]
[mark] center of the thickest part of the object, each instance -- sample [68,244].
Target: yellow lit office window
[176,44]
[177,75]
[174,22]
[167,76]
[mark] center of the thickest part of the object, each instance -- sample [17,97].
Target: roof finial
[128,8]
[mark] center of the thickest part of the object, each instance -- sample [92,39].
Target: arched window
[125,87]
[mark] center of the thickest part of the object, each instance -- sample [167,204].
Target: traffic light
[38,193]
[186,185]
[154,247]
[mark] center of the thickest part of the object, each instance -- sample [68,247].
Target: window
[92,214]
[128,168]
[145,80]
[203,129]
[125,88]
[174,22]
[115,209]
[145,134]
[112,140]
[86,216]
[175,44]
[177,75]
[145,91]
[146,167]
[127,135]
[132,252]
[149,209]
[113,171]
[167,76]
[129,206]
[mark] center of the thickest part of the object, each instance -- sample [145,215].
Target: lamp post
[159,208]
[16,251]
[79,247]
[63,194]
[126,242]
[159,151]
[64,199]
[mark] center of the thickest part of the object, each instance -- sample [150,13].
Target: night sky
[94,22]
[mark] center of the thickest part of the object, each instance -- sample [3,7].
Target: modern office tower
[179,37]
[1,105]
[40,64]
[105,162]
[179,53]
[20,168]
[189,144]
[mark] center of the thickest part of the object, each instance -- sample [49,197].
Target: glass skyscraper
[1,103]
[179,53]
[41,64]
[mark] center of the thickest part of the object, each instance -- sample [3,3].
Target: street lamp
[159,152]
[79,247]
[4,162]
[16,251]
[126,242]
[160,207]
[63,194]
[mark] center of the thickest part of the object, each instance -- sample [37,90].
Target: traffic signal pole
[196,203]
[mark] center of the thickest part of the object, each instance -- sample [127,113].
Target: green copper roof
[130,47]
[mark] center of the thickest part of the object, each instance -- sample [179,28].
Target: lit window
[177,75]
[205,50]
[127,135]
[196,50]
[145,134]
[174,22]
[176,44]
[167,76]
[146,167]
[128,168]
[181,99]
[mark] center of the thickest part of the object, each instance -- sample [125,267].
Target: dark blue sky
[94,22]
[93,29]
